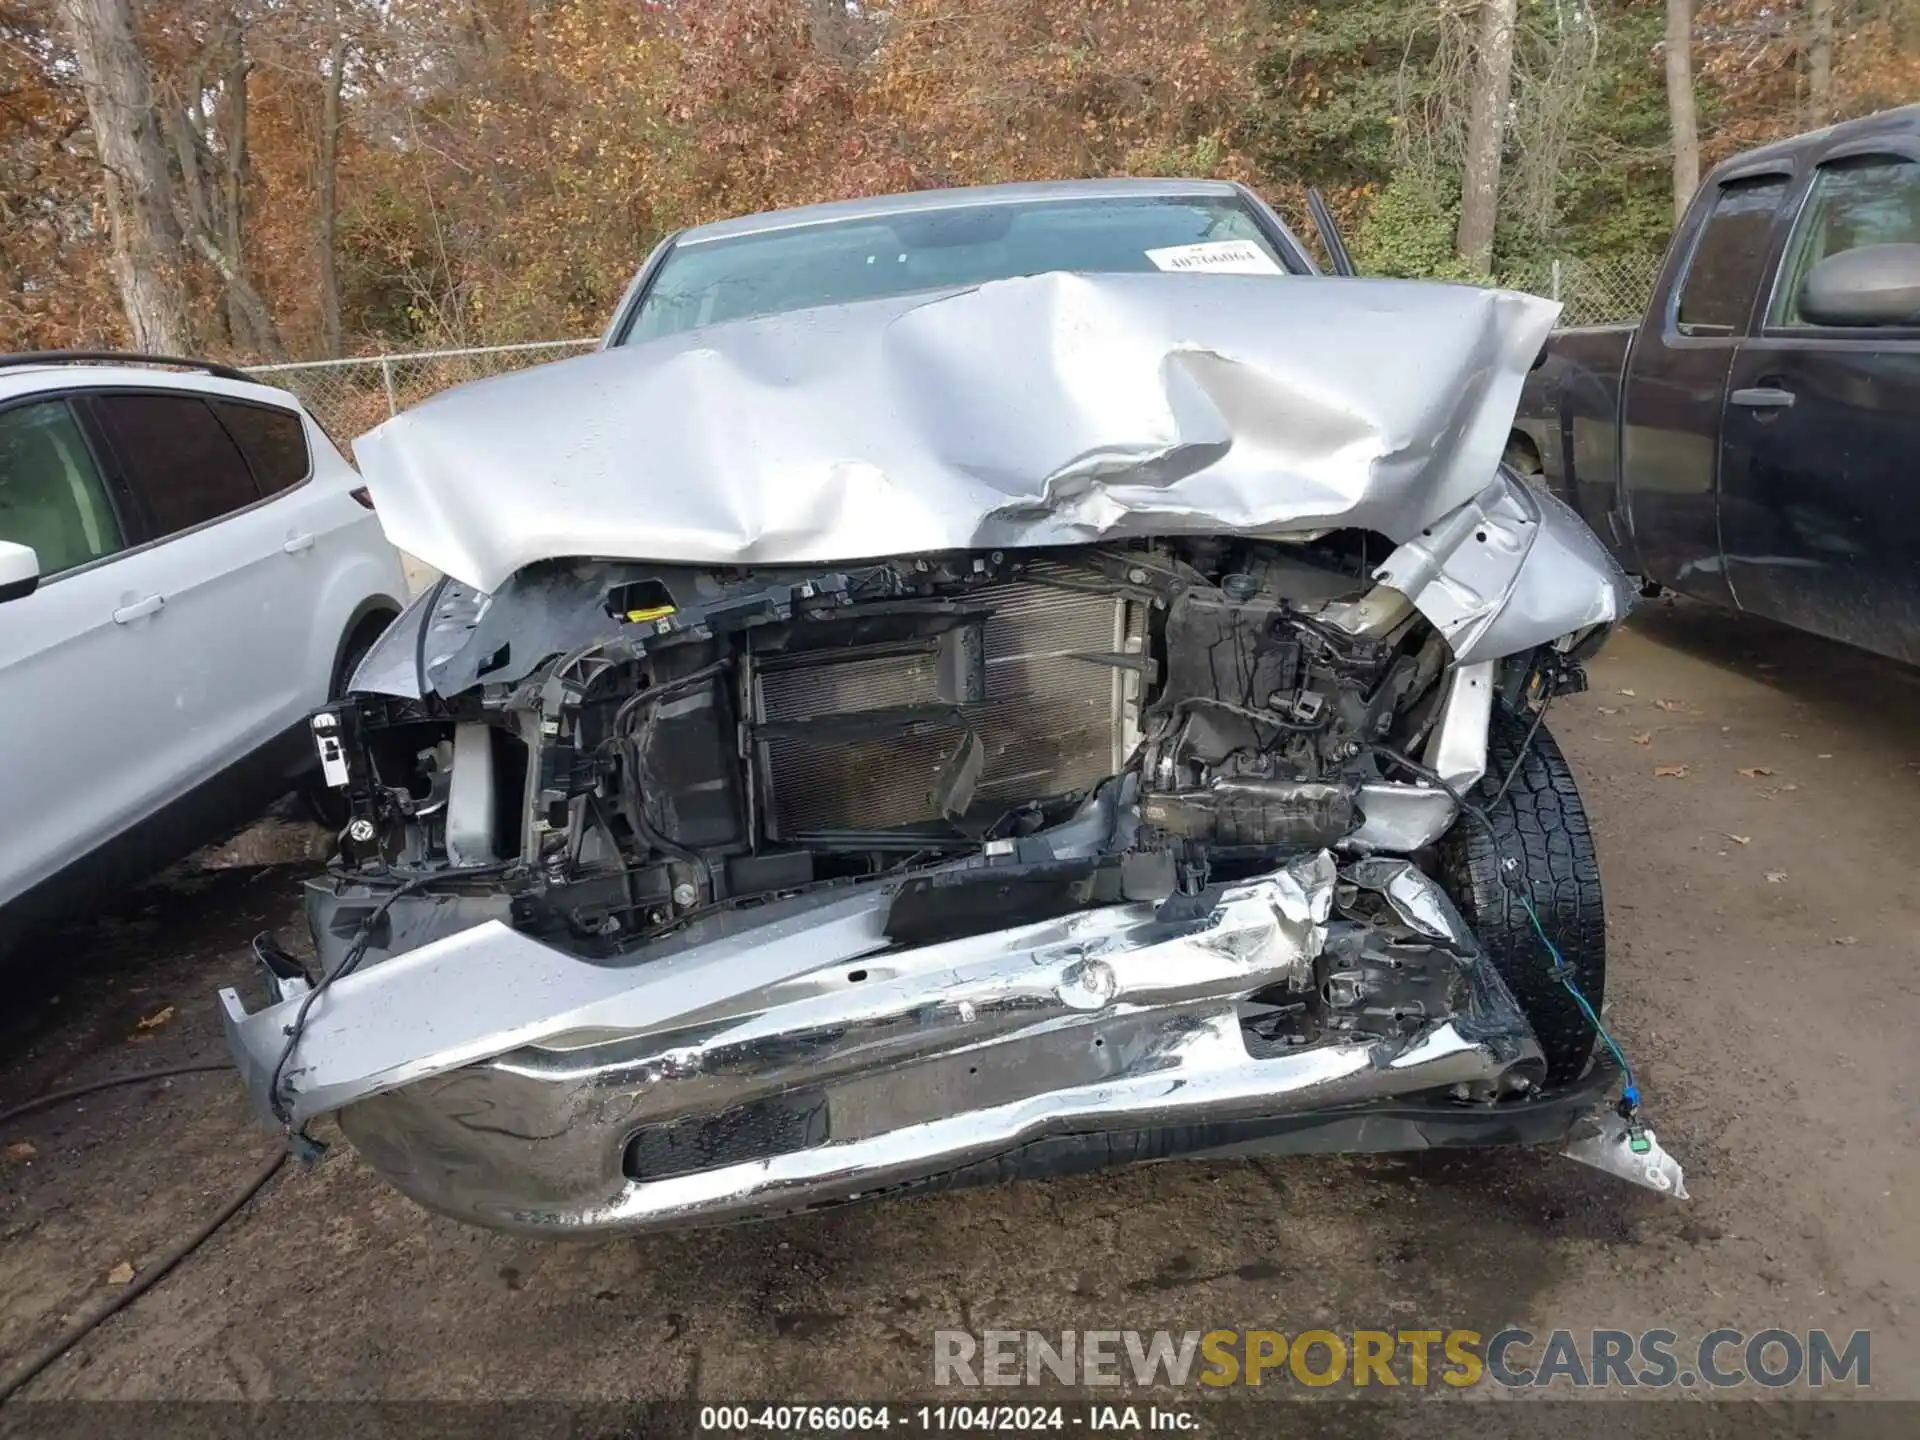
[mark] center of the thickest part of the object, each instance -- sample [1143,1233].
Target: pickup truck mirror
[1873,285]
[19,570]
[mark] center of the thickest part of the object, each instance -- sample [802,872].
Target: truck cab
[1751,442]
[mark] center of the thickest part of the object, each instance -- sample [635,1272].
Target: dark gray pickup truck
[1755,439]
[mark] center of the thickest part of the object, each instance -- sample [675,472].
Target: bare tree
[1486,133]
[1819,62]
[1549,131]
[1680,107]
[207,120]
[133,159]
[326,188]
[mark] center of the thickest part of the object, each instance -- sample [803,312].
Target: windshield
[704,282]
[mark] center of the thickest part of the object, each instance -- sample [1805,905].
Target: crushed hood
[1055,409]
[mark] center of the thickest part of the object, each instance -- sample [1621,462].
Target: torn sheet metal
[559,1096]
[1512,568]
[1631,1152]
[1053,409]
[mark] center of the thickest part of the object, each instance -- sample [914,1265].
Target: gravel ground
[1765,925]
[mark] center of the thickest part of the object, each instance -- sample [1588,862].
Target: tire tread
[1541,822]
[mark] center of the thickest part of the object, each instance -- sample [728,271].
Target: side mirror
[1874,285]
[19,570]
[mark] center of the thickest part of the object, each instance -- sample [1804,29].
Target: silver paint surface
[1053,409]
[513,1105]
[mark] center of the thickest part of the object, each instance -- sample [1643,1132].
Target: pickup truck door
[1820,475]
[1675,386]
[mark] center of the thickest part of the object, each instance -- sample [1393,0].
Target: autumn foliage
[500,168]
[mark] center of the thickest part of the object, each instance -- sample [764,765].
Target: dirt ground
[1765,923]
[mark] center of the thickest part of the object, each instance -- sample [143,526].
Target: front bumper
[790,1058]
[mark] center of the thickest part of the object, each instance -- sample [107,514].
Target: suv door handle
[1762,398]
[139,609]
[296,543]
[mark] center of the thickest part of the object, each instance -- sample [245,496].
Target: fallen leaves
[1645,737]
[1676,707]
[1845,940]
[157,1019]
[1669,772]
[1774,877]
[1607,709]
[121,1274]
[1738,839]
[1754,772]
[19,1150]
[1629,694]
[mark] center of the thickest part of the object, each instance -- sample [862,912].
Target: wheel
[1542,824]
[323,804]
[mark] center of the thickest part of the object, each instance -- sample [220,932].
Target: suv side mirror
[1873,285]
[19,570]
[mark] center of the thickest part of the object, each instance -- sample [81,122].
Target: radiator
[1050,722]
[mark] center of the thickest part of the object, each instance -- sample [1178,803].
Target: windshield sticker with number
[1222,257]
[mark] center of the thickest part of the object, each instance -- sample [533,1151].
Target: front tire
[1541,823]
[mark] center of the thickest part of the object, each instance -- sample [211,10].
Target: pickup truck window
[709,281]
[1724,272]
[1864,200]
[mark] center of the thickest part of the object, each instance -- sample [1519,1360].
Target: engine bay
[623,748]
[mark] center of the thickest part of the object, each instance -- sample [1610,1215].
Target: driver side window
[1864,200]
[51,495]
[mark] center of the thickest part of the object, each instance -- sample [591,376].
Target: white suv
[187,568]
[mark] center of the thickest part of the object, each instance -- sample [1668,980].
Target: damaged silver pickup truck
[998,709]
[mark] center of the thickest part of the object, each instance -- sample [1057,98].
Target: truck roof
[920,201]
[1904,121]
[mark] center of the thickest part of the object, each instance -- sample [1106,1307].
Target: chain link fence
[350,397]
[1613,291]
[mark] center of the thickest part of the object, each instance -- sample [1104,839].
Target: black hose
[75,1092]
[157,1269]
[141,1283]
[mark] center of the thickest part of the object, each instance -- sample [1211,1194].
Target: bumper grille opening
[756,1130]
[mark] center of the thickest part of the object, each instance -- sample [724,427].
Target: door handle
[139,609]
[1762,398]
[296,543]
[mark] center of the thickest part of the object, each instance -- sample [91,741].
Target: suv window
[51,493]
[1868,200]
[1724,272]
[181,462]
[273,440]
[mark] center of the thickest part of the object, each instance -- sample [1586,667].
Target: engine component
[1052,718]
